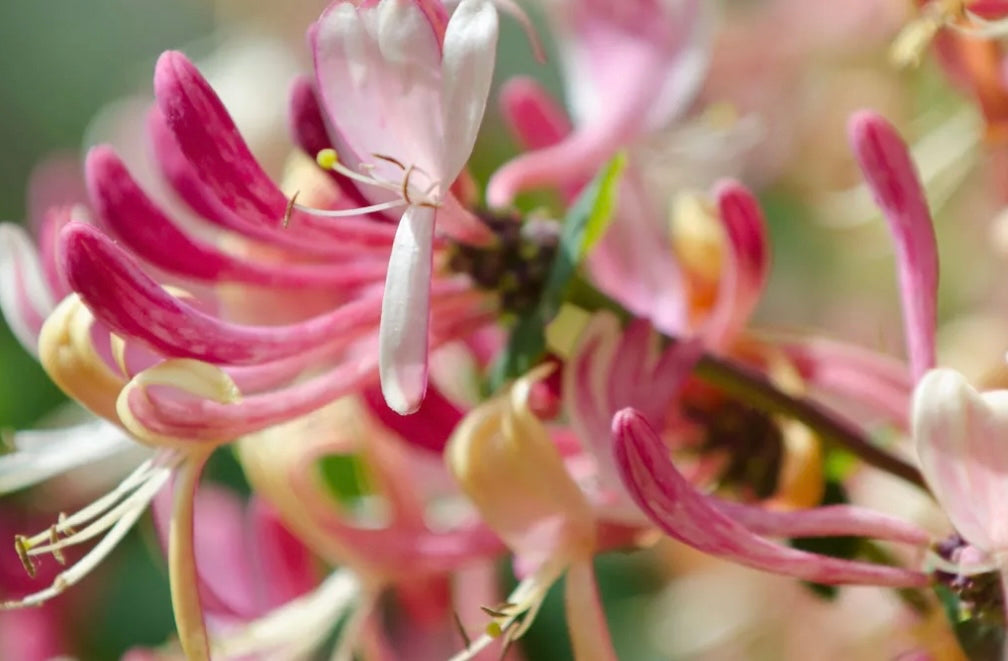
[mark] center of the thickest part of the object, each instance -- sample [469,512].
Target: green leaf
[585,223]
[346,477]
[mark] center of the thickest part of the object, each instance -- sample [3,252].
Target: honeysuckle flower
[645,58]
[402,537]
[405,91]
[507,464]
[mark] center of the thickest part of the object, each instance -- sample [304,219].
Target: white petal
[378,74]
[402,339]
[45,453]
[960,438]
[470,46]
[25,299]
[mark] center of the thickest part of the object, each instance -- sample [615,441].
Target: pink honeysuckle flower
[736,532]
[630,67]
[287,272]
[405,93]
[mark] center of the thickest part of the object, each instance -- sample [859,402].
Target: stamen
[345,213]
[393,161]
[91,560]
[461,629]
[21,546]
[54,541]
[290,208]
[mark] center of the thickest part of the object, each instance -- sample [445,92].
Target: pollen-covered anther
[109,517]
[21,546]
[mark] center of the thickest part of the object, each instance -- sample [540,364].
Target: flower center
[516,265]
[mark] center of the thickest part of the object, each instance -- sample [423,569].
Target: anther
[493,612]
[390,159]
[327,159]
[21,545]
[57,552]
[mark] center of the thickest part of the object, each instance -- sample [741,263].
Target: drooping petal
[683,513]
[41,454]
[378,73]
[405,313]
[959,435]
[887,168]
[25,298]
[470,48]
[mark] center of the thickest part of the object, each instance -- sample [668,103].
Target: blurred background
[799,72]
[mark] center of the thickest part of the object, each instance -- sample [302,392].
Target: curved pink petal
[378,73]
[632,66]
[960,439]
[876,381]
[223,163]
[532,114]
[746,265]
[889,172]
[119,293]
[142,227]
[405,312]
[829,521]
[692,518]
[187,183]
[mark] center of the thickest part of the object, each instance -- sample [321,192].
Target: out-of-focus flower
[630,68]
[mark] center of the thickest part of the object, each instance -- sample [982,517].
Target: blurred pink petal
[694,519]
[889,172]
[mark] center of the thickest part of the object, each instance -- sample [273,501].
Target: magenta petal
[746,265]
[119,293]
[188,184]
[889,172]
[136,221]
[692,518]
[532,115]
[428,428]
[285,568]
[222,161]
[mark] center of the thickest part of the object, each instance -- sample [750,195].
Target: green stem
[753,388]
